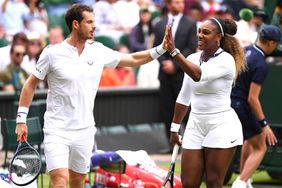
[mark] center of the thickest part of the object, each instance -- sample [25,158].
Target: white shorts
[70,149]
[219,130]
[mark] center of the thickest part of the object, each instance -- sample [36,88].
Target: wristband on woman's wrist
[157,51]
[174,127]
[263,122]
[174,52]
[22,114]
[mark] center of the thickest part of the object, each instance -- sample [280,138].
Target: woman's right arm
[194,71]
[181,108]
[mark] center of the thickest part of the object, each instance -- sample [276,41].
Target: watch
[174,52]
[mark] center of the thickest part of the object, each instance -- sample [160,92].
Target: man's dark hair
[20,38]
[168,1]
[75,13]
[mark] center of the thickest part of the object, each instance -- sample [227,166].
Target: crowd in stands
[27,26]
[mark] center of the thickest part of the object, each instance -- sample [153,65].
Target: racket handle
[22,138]
[175,151]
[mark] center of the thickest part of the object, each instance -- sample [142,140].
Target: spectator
[121,76]
[37,18]
[163,13]
[188,4]
[55,11]
[196,12]
[13,76]
[210,7]
[259,18]
[34,48]
[147,76]
[117,77]
[3,41]
[149,4]
[86,2]
[236,5]
[158,4]
[19,38]
[224,12]
[12,15]
[246,33]
[56,35]
[139,38]
[126,74]
[170,74]
[107,20]
[128,14]
[255,3]
[56,8]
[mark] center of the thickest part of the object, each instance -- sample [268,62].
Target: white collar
[176,17]
[259,50]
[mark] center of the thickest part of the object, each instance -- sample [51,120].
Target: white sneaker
[249,183]
[239,183]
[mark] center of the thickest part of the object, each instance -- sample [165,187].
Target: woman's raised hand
[168,42]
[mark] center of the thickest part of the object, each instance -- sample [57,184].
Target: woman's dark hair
[229,43]
[75,13]
[141,38]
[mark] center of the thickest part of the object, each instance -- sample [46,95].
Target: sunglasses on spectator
[36,43]
[18,54]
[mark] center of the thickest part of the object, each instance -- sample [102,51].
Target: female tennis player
[213,130]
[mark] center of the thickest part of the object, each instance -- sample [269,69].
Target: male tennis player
[73,69]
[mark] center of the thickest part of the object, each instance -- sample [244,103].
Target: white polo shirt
[212,93]
[73,82]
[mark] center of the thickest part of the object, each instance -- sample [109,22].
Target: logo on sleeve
[38,70]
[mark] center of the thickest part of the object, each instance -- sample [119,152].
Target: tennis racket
[168,182]
[25,165]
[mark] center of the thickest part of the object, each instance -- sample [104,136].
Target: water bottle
[87,183]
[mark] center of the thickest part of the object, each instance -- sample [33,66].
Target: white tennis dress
[212,122]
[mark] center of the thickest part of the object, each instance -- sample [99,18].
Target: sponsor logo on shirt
[90,62]
[232,141]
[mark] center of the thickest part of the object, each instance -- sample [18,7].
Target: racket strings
[25,166]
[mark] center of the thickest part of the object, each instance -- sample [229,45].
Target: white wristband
[22,114]
[174,127]
[157,51]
